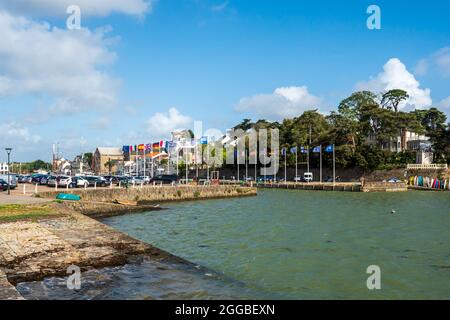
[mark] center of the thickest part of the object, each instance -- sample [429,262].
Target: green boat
[68,196]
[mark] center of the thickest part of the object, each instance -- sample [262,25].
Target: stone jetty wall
[384,187]
[155,194]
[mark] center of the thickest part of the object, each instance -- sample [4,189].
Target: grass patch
[17,212]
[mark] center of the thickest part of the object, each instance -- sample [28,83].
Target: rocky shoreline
[33,249]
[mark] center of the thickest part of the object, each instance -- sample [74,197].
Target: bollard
[110,185]
[35,189]
[160,184]
[67,186]
[85,186]
[95,185]
[24,188]
[56,185]
[134,184]
[142,184]
[120,184]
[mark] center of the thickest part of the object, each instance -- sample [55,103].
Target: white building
[3,168]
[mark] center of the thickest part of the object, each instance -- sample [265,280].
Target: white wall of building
[3,168]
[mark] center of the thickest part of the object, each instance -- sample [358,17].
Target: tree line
[361,116]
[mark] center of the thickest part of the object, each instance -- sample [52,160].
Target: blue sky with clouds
[139,69]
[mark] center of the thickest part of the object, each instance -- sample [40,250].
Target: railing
[427,166]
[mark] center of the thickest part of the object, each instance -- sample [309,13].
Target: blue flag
[294,150]
[317,149]
[283,152]
[303,150]
[329,148]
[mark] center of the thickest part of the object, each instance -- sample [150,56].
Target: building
[107,160]
[406,140]
[3,168]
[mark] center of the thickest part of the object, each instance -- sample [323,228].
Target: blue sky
[139,69]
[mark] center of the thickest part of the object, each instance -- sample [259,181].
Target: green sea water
[311,245]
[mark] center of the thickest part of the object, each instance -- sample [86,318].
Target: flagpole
[137,160]
[237,153]
[145,173]
[187,169]
[334,167]
[246,164]
[296,164]
[320,163]
[256,163]
[207,161]
[178,151]
[285,167]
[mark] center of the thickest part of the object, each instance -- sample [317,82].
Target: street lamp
[8,151]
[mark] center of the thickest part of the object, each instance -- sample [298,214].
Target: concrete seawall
[155,194]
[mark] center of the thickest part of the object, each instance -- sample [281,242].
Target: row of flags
[317,149]
[157,146]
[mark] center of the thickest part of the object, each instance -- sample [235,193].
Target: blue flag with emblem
[294,150]
[317,149]
[329,148]
[303,150]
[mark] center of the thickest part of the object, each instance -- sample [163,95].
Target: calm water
[295,244]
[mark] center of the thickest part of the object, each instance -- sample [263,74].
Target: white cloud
[13,134]
[421,67]
[396,76]
[219,7]
[442,60]
[66,67]
[88,7]
[445,104]
[161,125]
[284,102]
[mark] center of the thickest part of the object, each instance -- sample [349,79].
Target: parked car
[165,179]
[52,181]
[64,181]
[44,179]
[36,178]
[121,180]
[394,180]
[79,182]
[22,178]
[308,177]
[297,179]
[3,185]
[12,180]
[96,181]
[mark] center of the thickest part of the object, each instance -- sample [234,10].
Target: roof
[110,151]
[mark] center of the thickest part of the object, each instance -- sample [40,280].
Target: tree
[245,125]
[351,106]
[109,164]
[392,98]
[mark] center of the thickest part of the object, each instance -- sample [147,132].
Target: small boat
[126,202]
[68,196]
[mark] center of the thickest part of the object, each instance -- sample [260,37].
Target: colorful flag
[141,147]
[126,149]
[329,148]
[148,147]
[317,149]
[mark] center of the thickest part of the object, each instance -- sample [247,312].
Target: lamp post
[8,151]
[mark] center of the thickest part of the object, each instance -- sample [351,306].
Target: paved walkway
[20,199]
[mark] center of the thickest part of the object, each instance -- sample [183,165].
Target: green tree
[392,98]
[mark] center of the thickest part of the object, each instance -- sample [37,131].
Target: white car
[80,182]
[298,179]
[308,177]
[64,181]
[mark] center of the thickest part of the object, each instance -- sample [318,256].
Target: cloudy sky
[138,69]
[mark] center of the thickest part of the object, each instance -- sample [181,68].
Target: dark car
[164,179]
[3,185]
[36,178]
[98,181]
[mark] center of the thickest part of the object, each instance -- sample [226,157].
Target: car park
[52,181]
